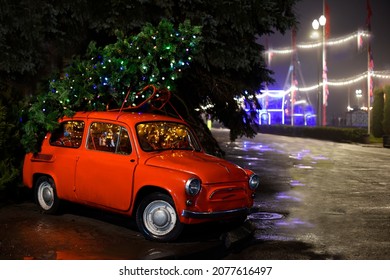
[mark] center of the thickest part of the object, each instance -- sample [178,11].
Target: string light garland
[359,35]
[335,83]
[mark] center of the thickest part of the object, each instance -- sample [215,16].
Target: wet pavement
[318,200]
[323,200]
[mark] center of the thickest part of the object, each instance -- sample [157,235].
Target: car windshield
[157,136]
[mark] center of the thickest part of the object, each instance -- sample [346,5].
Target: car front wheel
[46,195]
[157,219]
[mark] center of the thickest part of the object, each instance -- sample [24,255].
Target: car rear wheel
[157,219]
[46,195]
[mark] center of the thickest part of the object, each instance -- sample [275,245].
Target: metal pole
[324,70]
[369,68]
[319,99]
[324,74]
[293,63]
[369,94]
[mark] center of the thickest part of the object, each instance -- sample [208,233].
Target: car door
[65,145]
[104,172]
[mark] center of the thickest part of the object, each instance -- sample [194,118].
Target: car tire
[157,219]
[46,195]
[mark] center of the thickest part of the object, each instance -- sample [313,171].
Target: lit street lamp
[321,110]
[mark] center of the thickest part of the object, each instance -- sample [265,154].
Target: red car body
[148,166]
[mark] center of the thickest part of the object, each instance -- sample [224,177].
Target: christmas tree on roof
[111,75]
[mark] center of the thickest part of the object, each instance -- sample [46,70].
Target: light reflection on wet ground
[325,196]
[271,216]
[302,166]
[316,201]
[88,234]
[296,183]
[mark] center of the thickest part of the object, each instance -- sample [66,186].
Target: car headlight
[254,181]
[193,186]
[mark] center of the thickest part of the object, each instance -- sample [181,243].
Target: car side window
[108,137]
[68,134]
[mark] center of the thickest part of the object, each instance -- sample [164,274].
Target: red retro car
[144,165]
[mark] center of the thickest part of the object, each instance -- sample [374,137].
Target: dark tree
[115,76]
[386,112]
[40,37]
[230,62]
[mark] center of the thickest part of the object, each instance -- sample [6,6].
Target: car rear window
[69,134]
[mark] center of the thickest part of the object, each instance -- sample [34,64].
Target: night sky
[344,60]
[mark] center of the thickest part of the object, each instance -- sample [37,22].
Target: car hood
[209,169]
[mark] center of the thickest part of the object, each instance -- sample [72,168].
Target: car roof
[126,117]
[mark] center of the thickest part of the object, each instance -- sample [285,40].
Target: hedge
[336,134]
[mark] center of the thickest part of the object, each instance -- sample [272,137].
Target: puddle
[247,158]
[154,253]
[265,216]
[253,146]
[320,157]
[301,166]
[300,155]
[285,196]
[293,223]
[272,237]
[296,183]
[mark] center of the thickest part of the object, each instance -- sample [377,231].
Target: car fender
[168,180]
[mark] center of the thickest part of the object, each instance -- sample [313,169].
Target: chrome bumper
[213,215]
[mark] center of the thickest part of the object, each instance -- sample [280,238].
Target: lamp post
[315,35]
[316,24]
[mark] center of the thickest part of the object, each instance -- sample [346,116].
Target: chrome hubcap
[45,195]
[159,217]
